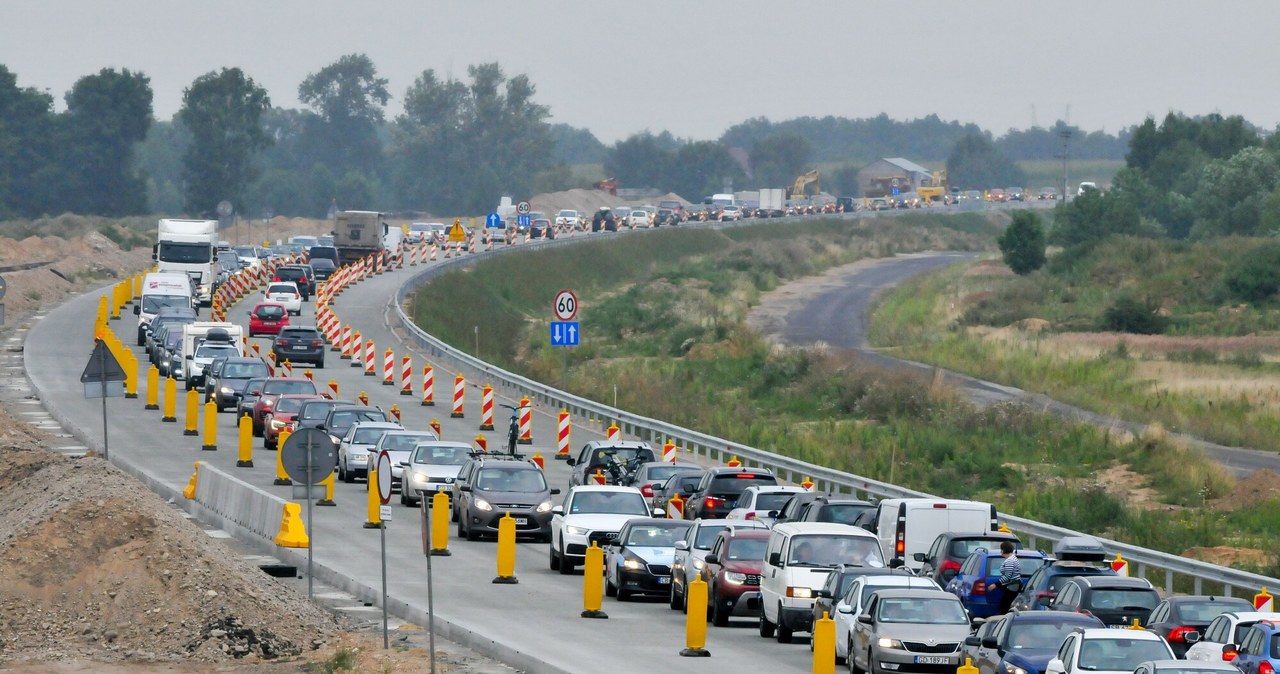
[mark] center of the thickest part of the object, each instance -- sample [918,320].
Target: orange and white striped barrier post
[669,451]
[406,376]
[448,249]
[388,368]
[433,252]
[807,485]
[1263,601]
[428,386]
[370,359]
[1120,565]
[357,349]
[257,350]
[598,477]
[344,343]
[733,462]
[486,408]
[333,388]
[675,511]
[435,427]
[526,422]
[613,433]
[562,436]
[538,461]
[271,363]
[363,398]
[286,368]
[310,376]
[482,442]
[395,412]
[459,396]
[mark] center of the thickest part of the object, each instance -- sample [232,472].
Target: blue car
[1022,642]
[976,585]
[1259,649]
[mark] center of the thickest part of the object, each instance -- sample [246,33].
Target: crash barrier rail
[718,450]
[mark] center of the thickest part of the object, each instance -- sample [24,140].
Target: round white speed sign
[566,305]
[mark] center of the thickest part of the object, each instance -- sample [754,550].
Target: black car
[323,268]
[322,252]
[604,221]
[795,507]
[950,549]
[300,344]
[314,412]
[638,560]
[249,397]
[541,229]
[824,508]
[489,488]
[339,419]
[666,217]
[302,276]
[1176,617]
[227,377]
[600,455]
[1115,600]
[682,484]
[720,488]
[166,315]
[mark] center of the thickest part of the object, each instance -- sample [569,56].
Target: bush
[1022,243]
[1255,275]
[1127,314]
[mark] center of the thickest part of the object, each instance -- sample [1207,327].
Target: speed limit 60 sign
[566,306]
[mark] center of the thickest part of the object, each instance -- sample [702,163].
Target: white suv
[591,513]
[1107,651]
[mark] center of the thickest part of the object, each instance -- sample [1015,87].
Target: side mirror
[971,641]
[896,563]
[190,357]
[465,487]
[822,593]
[570,461]
[659,512]
[711,558]
[1044,601]
[682,545]
[989,642]
[844,608]
[773,514]
[557,510]
[1055,666]
[404,463]
[1191,637]
[688,489]
[137,310]
[919,556]
[865,619]
[775,559]
[555,491]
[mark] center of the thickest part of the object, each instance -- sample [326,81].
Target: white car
[849,606]
[1226,628]
[1107,651]
[730,213]
[762,503]
[287,294]
[568,218]
[591,513]
[692,550]
[355,451]
[433,466]
[399,446]
[638,218]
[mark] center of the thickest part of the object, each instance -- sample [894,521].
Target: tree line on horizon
[457,146]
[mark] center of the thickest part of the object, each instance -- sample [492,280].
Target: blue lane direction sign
[564,333]
[493,221]
[523,221]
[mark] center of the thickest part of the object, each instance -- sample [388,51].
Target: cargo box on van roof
[1079,549]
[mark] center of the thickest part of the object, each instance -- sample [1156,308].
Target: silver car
[399,446]
[355,451]
[909,631]
[692,549]
[432,467]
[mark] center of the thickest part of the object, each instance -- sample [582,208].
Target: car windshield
[830,550]
[1120,654]
[707,532]
[252,385]
[772,501]
[1204,611]
[299,334]
[962,547]
[343,420]
[215,350]
[601,455]
[842,513]
[1029,564]
[184,253]
[504,479]
[282,289]
[609,502]
[654,536]
[445,455]
[283,386]
[404,442]
[271,311]
[367,436]
[289,405]
[1039,636]
[567,214]
[924,611]
[315,410]
[244,370]
[153,303]
[736,483]
[1122,599]
[746,549]
[663,473]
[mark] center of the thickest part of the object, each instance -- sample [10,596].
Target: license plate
[297,348]
[521,521]
[932,660]
[664,580]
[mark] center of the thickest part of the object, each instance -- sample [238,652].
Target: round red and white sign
[384,477]
[566,305]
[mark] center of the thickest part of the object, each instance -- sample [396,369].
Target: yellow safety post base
[824,645]
[328,492]
[189,492]
[244,449]
[292,533]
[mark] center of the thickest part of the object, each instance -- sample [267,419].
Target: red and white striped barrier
[357,350]
[562,435]
[486,408]
[370,359]
[433,252]
[345,345]
[669,451]
[428,386]
[406,376]
[388,368]
[526,422]
[459,396]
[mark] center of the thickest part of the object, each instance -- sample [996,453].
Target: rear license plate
[297,348]
[664,580]
[521,521]
[932,660]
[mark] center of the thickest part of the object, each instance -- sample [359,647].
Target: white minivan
[159,290]
[797,561]
[906,526]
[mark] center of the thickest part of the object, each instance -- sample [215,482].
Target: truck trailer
[358,234]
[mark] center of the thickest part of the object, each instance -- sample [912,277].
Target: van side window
[775,545]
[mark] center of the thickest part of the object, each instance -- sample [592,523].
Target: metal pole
[102,362]
[431,610]
[382,531]
[311,541]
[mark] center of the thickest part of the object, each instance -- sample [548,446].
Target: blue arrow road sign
[523,220]
[493,221]
[564,333]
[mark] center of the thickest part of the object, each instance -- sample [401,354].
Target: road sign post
[383,470]
[308,457]
[103,377]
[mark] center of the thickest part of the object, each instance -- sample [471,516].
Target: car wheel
[566,566]
[784,632]
[624,594]
[453,514]
[404,501]
[610,590]
[462,533]
[347,476]
[472,535]
[684,599]
[766,627]
[320,364]
[673,601]
[719,610]
[553,559]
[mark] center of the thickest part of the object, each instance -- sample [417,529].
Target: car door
[1068,598]
[846,612]
[460,497]
[681,558]
[1067,652]
[1210,645]
[986,657]
[862,634]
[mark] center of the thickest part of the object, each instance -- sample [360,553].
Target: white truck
[203,341]
[187,247]
[159,290]
[772,203]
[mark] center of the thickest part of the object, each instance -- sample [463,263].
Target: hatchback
[977,586]
[299,344]
[267,318]
[1259,651]
[285,293]
[720,488]
[1176,618]
[301,275]
[1115,600]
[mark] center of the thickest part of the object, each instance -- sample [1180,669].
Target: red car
[267,318]
[732,573]
[272,389]
[283,414]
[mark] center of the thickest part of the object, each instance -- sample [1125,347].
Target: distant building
[878,178]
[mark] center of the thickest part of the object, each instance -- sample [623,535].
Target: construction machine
[938,188]
[802,182]
[609,185]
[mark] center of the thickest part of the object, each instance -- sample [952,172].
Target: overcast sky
[695,67]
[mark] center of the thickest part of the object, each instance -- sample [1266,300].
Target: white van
[203,341]
[1085,187]
[159,290]
[906,526]
[797,561]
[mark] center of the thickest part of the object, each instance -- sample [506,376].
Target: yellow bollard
[824,645]
[292,532]
[210,425]
[244,458]
[190,492]
[328,491]
[153,388]
[967,667]
[282,478]
[506,551]
[170,412]
[440,524]
[100,321]
[695,623]
[593,582]
[115,302]
[193,407]
[374,502]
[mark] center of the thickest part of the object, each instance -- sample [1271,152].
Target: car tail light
[1265,667]
[980,587]
[282,342]
[316,342]
[275,278]
[1179,634]
[713,502]
[751,515]
[949,565]
[1228,653]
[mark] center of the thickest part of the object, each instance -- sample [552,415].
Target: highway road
[533,625]
[839,316]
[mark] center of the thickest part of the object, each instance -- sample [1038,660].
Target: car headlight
[277,424]
[735,577]
[577,531]
[421,477]
[482,504]
[227,391]
[633,564]
[357,458]
[543,507]
[886,642]
[1013,669]
[800,592]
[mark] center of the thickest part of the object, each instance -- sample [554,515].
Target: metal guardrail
[1142,560]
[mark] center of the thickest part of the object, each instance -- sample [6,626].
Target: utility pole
[1066,151]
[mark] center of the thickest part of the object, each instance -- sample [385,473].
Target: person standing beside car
[1010,576]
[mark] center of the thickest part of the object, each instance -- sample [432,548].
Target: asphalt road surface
[838,317]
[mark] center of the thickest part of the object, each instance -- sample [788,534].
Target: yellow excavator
[802,182]
[937,189]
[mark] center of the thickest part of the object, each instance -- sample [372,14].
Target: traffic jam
[894,586]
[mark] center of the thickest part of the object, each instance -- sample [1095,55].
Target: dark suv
[302,275]
[489,488]
[838,509]
[300,344]
[720,488]
[1115,600]
[950,549]
[1073,556]
[227,377]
